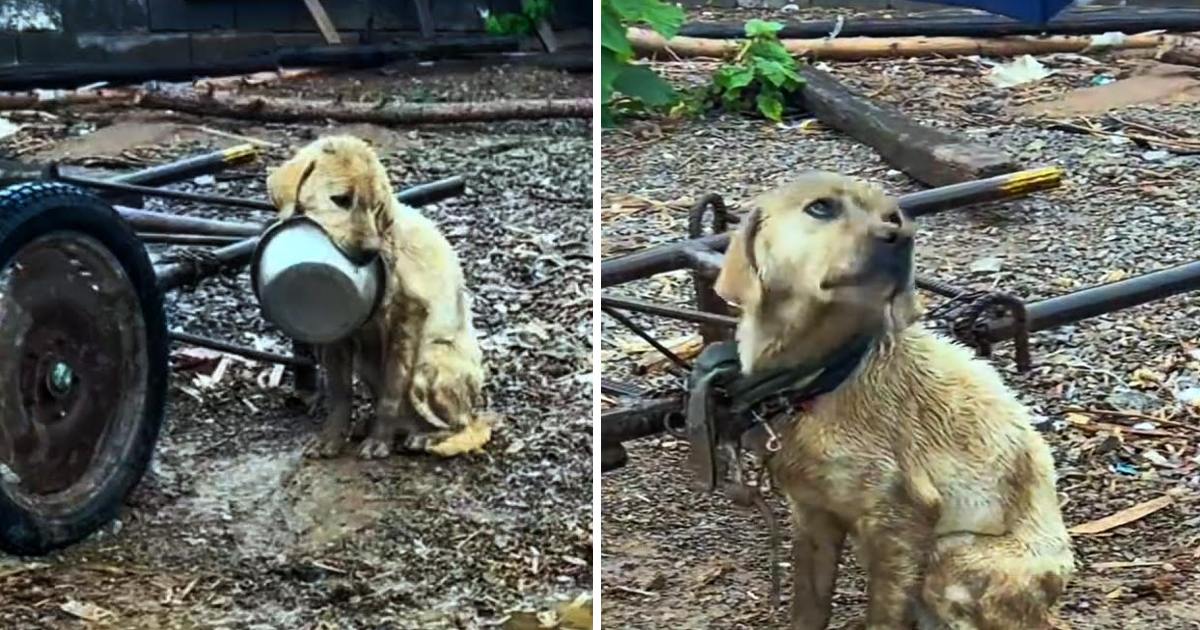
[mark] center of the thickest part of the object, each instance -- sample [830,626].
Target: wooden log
[293,110]
[931,156]
[960,24]
[648,43]
[1184,52]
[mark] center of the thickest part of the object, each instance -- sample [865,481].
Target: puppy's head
[817,261]
[339,182]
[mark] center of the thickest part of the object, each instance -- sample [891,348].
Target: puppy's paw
[325,447]
[375,448]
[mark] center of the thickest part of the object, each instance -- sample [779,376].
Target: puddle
[282,503]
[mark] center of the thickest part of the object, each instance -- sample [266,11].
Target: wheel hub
[72,360]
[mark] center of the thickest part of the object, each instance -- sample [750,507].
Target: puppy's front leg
[817,540]
[896,552]
[338,362]
[391,404]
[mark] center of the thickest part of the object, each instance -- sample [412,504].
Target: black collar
[753,397]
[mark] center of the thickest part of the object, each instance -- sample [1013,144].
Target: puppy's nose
[893,229]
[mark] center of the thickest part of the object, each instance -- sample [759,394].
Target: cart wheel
[83,365]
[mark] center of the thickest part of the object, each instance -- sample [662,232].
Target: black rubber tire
[27,211]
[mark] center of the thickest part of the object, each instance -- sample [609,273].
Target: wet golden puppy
[922,455]
[418,355]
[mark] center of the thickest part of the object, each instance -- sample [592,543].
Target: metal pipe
[148,221]
[232,348]
[150,191]
[682,314]
[637,421]
[174,275]
[158,238]
[189,167]
[675,256]
[1099,300]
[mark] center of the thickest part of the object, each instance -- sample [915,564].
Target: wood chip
[85,611]
[1124,517]
[1106,566]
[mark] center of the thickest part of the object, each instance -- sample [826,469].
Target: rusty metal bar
[675,256]
[243,351]
[150,191]
[1099,300]
[654,308]
[163,222]
[189,167]
[646,418]
[174,275]
[164,238]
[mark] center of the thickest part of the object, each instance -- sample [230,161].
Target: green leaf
[769,104]
[610,67]
[612,33]
[642,83]
[665,19]
[772,50]
[760,28]
[775,73]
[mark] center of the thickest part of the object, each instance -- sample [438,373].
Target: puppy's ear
[738,283]
[284,183]
[375,193]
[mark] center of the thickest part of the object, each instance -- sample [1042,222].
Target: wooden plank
[546,34]
[323,22]
[424,17]
[930,156]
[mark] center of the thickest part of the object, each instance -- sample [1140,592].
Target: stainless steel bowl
[308,287]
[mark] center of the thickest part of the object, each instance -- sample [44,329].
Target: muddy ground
[233,528]
[672,557]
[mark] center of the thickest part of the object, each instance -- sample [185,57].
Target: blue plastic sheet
[1030,11]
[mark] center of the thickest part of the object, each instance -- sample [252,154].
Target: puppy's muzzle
[889,257]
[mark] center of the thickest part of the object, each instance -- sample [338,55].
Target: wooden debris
[1137,564]
[649,43]
[686,348]
[929,155]
[294,110]
[1124,517]
[317,10]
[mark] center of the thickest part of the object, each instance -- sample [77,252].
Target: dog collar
[723,404]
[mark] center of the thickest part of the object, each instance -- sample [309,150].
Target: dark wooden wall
[54,31]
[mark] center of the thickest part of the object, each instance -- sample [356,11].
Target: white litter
[1023,69]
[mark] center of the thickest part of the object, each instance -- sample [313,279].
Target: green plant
[638,85]
[523,23]
[762,71]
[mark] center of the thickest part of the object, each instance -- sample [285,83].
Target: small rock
[1140,402]
[790,8]
[1156,156]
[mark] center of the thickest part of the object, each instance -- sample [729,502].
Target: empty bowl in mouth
[308,287]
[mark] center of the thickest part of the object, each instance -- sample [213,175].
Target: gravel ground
[674,558]
[234,529]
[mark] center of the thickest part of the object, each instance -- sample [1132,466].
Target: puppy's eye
[343,201]
[822,209]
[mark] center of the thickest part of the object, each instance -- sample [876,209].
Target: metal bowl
[308,287]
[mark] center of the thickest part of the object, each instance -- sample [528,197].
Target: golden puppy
[921,455]
[418,355]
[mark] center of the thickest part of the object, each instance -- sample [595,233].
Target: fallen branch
[929,155]
[1124,517]
[292,110]
[649,43]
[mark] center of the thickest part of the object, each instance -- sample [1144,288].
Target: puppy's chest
[827,475]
